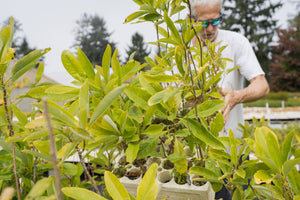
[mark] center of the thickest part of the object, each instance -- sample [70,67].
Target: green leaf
[201,171]
[172,27]
[54,93]
[8,147]
[148,187]
[66,151]
[232,69]
[115,64]
[148,7]
[178,59]
[108,124]
[132,151]
[237,195]
[81,193]
[287,146]
[70,169]
[288,165]
[174,157]
[6,37]
[217,124]
[23,70]
[114,187]
[164,95]
[3,68]
[42,146]
[38,155]
[274,149]
[199,131]
[39,72]
[207,108]
[152,17]
[19,114]
[106,63]
[160,78]
[58,112]
[137,95]
[263,176]
[106,102]
[153,129]
[168,41]
[177,9]
[130,69]
[139,2]
[39,188]
[158,97]
[147,146]
[260,138]
[148,115]
[134,15]
[72,65]
[86,64]
[180,165]
[212,80]
[293,178]
[84,104]
[151,88]
[233,149]
[163,32]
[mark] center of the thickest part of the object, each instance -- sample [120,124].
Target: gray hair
[195,3]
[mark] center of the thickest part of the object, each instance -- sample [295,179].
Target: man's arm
[257,89]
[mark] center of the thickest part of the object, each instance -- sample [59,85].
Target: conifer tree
[139,47]
[92,36]
[253,19]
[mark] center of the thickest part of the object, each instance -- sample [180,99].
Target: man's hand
[257,89]
[231,98]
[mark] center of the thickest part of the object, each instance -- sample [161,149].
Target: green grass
[274,100]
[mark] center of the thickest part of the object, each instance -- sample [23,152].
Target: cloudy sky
[51,23]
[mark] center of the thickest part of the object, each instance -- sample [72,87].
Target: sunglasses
[213,22]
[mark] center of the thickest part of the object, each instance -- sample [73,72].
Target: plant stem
[11,134]
[52,152]
[193,86]
[158,43]
[162,144]
[253,190]
[86,171]
[34,169]
[201,53]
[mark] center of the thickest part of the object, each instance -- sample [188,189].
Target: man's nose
[209,27]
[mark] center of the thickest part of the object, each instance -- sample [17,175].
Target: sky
[51,23]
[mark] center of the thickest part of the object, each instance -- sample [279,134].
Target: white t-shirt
[240,51]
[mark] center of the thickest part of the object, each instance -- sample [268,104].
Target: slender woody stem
[87,171]
[52,152]
[158,43]
[201,52]
[253,190]
[11,134]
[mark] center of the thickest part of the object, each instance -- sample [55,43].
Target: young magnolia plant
[170,111]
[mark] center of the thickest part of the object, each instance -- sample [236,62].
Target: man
[240,51]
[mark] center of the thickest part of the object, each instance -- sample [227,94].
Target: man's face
[208,13]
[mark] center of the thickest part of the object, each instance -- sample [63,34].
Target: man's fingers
[224,91]
[226,114]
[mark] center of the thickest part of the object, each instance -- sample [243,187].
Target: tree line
[253,18]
